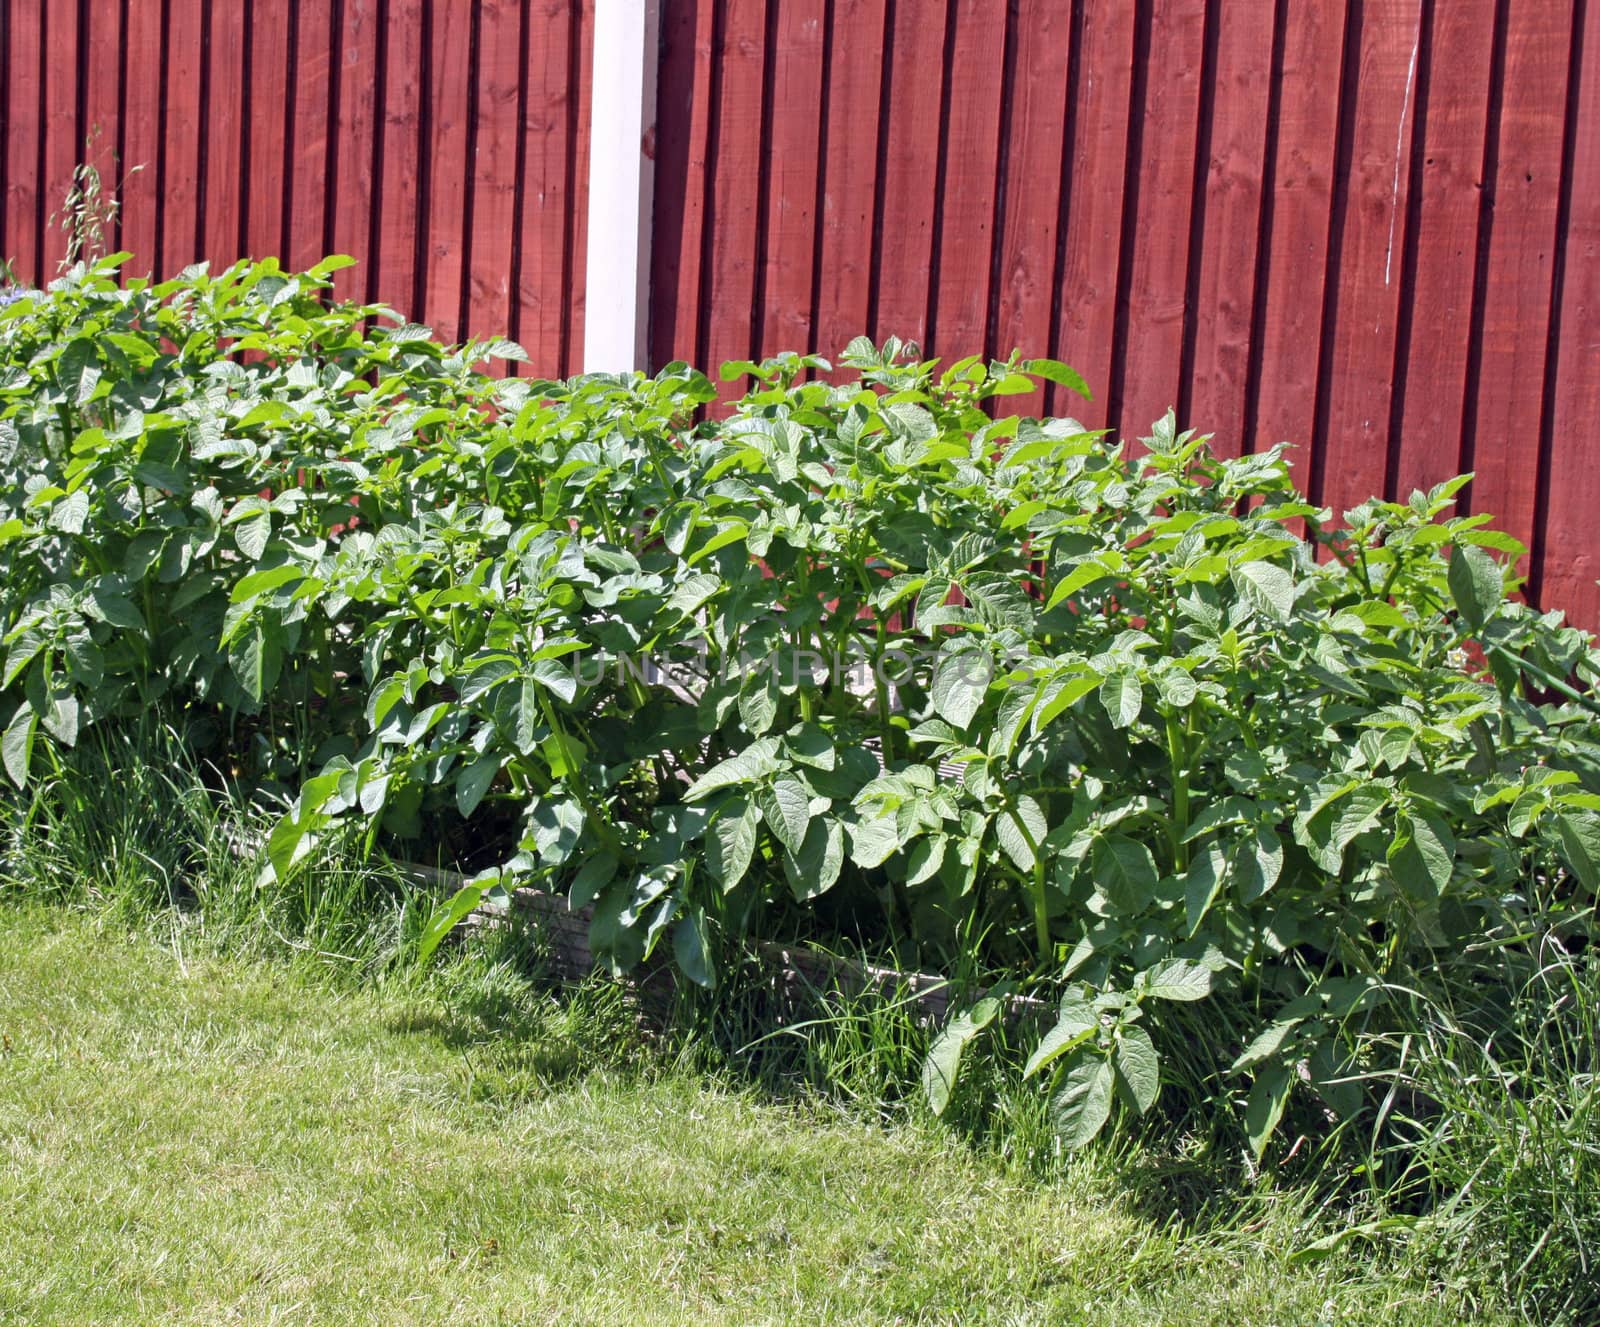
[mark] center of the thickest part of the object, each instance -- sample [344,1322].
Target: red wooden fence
[443,144]
[1369,227]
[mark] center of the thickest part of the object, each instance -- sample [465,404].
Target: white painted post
[622,102]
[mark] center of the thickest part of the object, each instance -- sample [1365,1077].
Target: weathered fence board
[444,145]
[1367,227]
[1355,225]
[1567,557]
[1439,266]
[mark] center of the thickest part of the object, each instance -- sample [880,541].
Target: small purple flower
[11,294]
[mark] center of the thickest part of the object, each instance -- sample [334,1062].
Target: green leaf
[1176,687]
[1266,1043]
[739,368]
[1077,1024]
[1257,863]
[960,682]
[1058,694]
[785,806]
[555,679]
[1008,832]
[334,262]
[1333,1081]
[61,716]
[1086,573]
[1476,584]
[1178,979]
[78,370]
[692,592]
[256,660]
[732,842]
[1337,820]
[447,916]
[117,610]
[474,780]
[815,868]
[564,754]
[1201,885]
[253,533]
[1125,873]
[17,745]
[1122,697]
[1267,588]
[1138,1068]
[692,950]
[755,763]
[1422,855]
[291,841]
[484,677]
[925,859]
[1082,1101]
[1053,370]
[1580,846]
[1269,1094]
[1380,613]
[811,745]
[259,582]
[942,1066]
[678,527]
[71,512]
[497,347]
[758,701]
[595,874]
[873,842]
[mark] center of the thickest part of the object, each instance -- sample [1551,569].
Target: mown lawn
[193,1140]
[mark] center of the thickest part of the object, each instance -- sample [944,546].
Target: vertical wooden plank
[396,190]
[1567,560]
[141,139]
[1449,193]
[784,311]
[223,198]
[307,157]
[1033,167]
[1146,383]
[682,134]
[537,311]
[63,144]
[6,273]
[1517,290]
[350,190]
[844,262]
[23,239]
[971,183]
[579,175]
[1094,187]
[103,36]
[268,77]
[731,241]
[1225,291]
[912,128]
[178,195]
[494,201]
[1373,223]
[448,173]
[1290,298]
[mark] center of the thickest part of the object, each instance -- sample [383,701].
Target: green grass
[194,1139]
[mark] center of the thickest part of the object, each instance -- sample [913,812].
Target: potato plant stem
[1178,755]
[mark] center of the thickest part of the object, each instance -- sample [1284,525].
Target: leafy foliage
[1100,715]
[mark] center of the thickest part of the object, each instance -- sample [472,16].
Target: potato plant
[1128,725]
